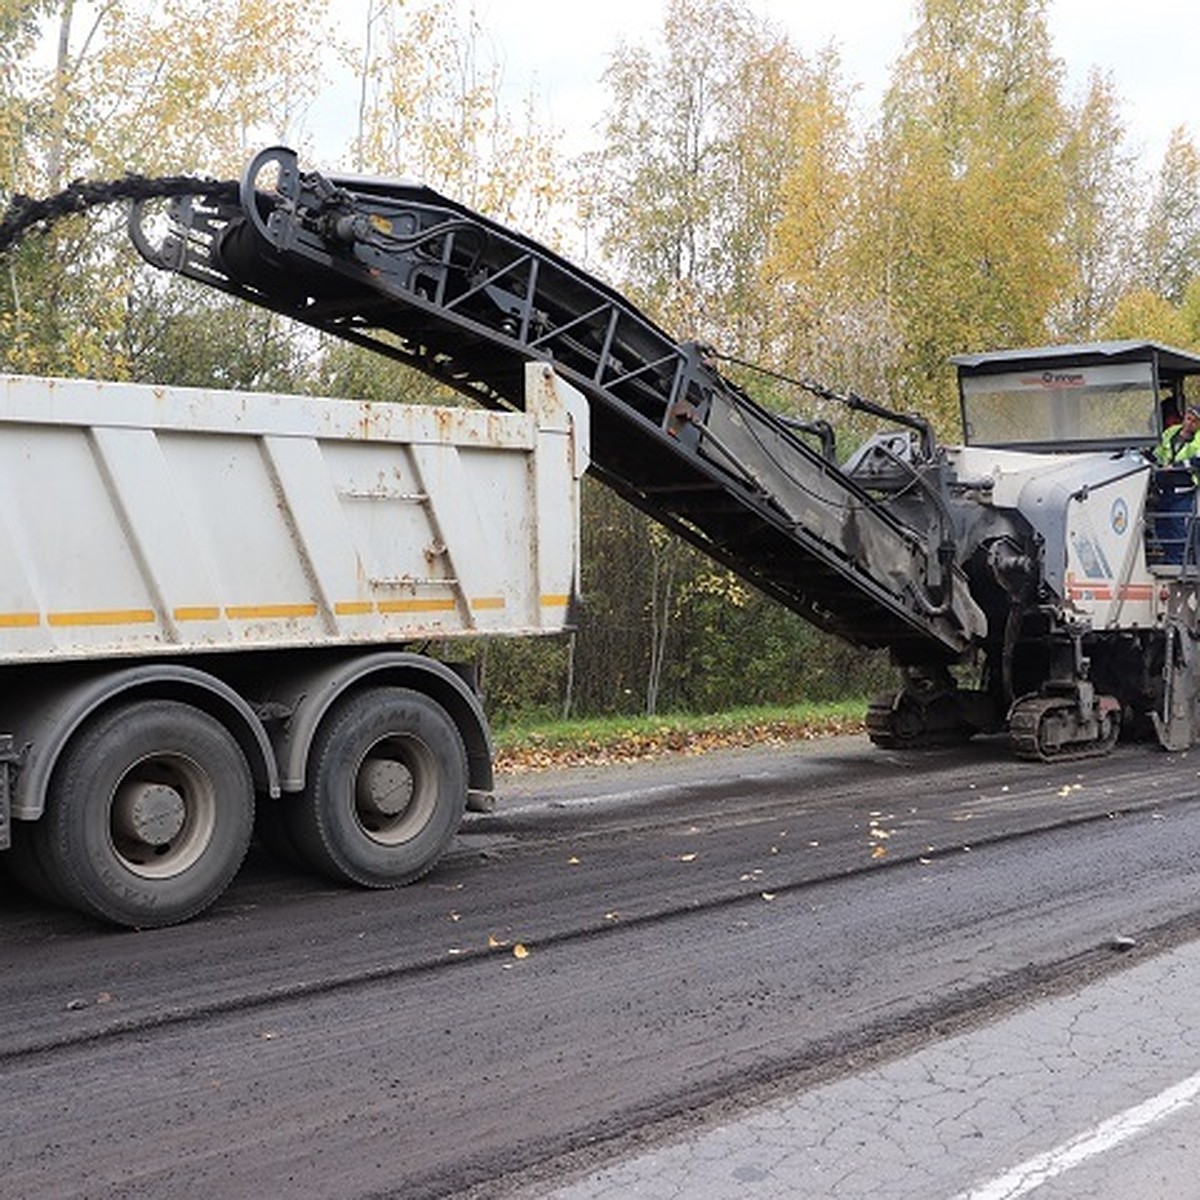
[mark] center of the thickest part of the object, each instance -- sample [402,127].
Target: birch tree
[1170,253]
[432,107]
[960,229]
[1102,214]
[130,86]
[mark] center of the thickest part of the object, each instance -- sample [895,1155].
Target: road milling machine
[1041,577]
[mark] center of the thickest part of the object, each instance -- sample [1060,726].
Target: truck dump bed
[141,520]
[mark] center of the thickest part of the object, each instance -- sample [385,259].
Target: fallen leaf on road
[879,852]
[520,950]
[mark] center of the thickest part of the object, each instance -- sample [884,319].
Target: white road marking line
[1033,1172]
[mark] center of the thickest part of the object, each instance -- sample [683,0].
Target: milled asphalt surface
[700,936]
[1087,1095]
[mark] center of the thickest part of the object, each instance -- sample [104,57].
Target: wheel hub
[384,788]
[150,813]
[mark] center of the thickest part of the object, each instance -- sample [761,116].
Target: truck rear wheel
[148,816]
[387,789]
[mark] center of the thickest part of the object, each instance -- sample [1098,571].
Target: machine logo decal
[1120,515]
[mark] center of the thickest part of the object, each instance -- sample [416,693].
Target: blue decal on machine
[1091,557]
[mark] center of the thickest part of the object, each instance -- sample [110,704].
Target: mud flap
[6,757]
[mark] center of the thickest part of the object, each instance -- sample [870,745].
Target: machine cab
[1097,396]
[1110,400]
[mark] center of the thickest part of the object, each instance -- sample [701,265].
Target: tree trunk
[58,128]
[662,580]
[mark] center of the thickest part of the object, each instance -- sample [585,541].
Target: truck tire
[148,815]
[386,791]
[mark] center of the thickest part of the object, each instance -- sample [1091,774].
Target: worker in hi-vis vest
[1180,443]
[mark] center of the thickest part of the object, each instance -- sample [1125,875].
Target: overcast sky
[1150,47]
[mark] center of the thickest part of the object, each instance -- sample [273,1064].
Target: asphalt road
[610,956]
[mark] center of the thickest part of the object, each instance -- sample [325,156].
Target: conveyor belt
[402,270]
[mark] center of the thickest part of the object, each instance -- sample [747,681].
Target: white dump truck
[213,603]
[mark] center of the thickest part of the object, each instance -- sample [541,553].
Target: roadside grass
[537,745]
